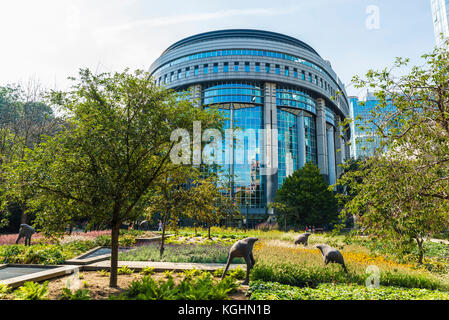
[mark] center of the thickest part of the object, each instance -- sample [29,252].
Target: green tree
[115,148]
[25,121]
[402,193]
[209,203]
[169,199]
[305,199]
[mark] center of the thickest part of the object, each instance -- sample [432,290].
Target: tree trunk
[161,250]
[420,250]
[114,254]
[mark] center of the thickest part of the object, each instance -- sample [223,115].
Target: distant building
[364,142]
[440,19]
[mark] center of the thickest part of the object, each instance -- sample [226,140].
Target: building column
[331,155]
[301,135]
[321,136]
[339,147]
[270,145]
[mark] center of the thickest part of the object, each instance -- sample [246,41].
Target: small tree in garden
[170,198]
[305,199]
[105,165]
[208,203]
[402,193]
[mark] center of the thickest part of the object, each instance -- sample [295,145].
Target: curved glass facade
[232,92]
[287,144]
[310,139]
[241,105]
[250,78]
[295,98]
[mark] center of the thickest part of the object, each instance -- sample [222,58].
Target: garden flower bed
[275,291]
[181,252]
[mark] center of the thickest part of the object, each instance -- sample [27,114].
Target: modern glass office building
[440,19]
[364,142]
[263,80]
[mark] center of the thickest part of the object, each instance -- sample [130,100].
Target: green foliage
[274,291]
[116,145]
[125,240]
[125,270]
[199,287]
[401,194]
[103,273]
[207,253]
[4,290]
[79,294]
[305,199]
[147,271]
[43,253]
[32,291]
[311,276]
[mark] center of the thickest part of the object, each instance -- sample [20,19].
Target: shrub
[103,273]
[275,291]
[80,294]
[146,271]
[4,290]
[201,287]
[125,270]
[32,291]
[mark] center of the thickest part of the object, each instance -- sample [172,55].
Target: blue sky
[50,40]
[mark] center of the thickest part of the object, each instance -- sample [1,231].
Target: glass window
[278,69]
[215,67]
[310,77]
[267,68]
[196,71]
[187,72]
[303,75]
[172,76]
[179,74]
[206,69]
[226,67]
[236,66]
[295,73]
[257,67]
[286,72]
[246,66]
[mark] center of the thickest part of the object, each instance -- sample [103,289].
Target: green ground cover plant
[32,291]
[260,290]
[44,253]
[195,285]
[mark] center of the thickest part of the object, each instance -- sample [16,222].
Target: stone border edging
[53,272]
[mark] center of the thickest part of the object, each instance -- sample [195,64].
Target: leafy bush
[43,253]
[125,270]
[146,271]
[103,273]
[4,290]
[125,240]
[274,291]
[32,291]
[80,294]
[201,287]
